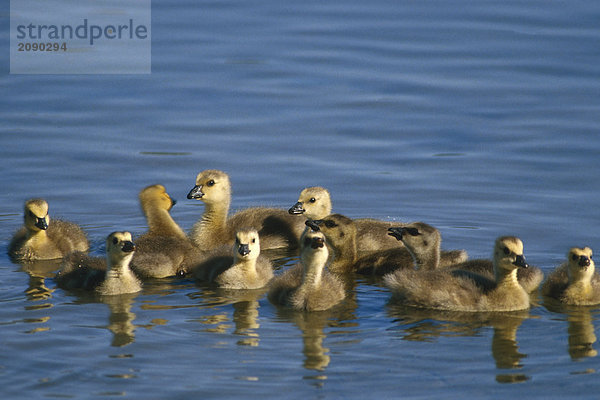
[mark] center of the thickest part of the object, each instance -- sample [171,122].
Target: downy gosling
[315,203]
[308,286]
[575,282]
[244,269]
[458,290]
[277,229]
[41,239]
[109,276]
[423,242]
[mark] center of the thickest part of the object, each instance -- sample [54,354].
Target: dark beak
[173,202]
[584,261]
[41,223]
[196,192]
[244,249]
[317,242]
[396,232]
[312,224]
[296,209]
[128,247]
[520,262]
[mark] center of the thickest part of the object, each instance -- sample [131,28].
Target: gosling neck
[313,271]
[246,265]
[345,252]
[118,265]
[427,260]
[160,222]
[215,214]
[506,278]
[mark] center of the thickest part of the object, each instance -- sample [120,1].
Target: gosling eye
[506,250]
[115,240]
[307,241]
[413,231]
[312,200]
[330,224]
[253,240]
[210,183]
[574,257]
[31,214]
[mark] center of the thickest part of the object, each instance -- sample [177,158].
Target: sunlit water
[480,118]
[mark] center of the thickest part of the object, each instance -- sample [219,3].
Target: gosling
[277,229]
[575,282]
[38,239]
[245,269]
[110,276]
[342,236]
[315,203]
[423,242]
[165,248]
[458,290]
[308,286]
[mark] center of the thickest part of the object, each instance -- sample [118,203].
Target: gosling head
[508,254]
[312,248]
[313,202]
[211,186]
[156,196]
[119,248]
[36,215]
[337,228]
[581,265]
[247,244]
[418,237]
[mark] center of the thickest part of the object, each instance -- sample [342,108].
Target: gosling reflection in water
[428,325]
[312,325]
[120,320]
[38,271]
[581,329]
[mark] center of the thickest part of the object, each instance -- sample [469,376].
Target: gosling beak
[396,232]
[312,224]
[244,249]
[317,242]
[520,262]
[584,261]
[128,247]
[196,192]
[173,202]
[296,209]
[41,223]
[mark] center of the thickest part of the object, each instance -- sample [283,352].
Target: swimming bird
[275,226]
[458,290]
[575,282]
[315,203]
[342,236]
[244,269]
[423,242]
[40,239]
[308,286]
[107,276]
[164,248]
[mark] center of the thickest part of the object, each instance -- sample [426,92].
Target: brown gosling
[315,203]
[40,239]
[342,236]
[308,286]
[109,276]
[277,229]
[457,290]
[165,248]
[575,282]
[244,269]
[423,242]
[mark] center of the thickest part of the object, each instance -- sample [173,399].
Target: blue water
[480,118]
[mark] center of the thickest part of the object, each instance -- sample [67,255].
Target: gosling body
[42,239]
[459,290]
[164,249]
[342,236]
[277,229]
[423,241]
[308,286]
[108,276]
[315,203]
[244,269]
[575,282]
